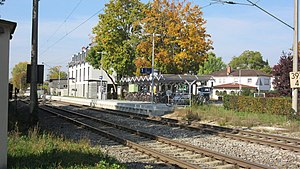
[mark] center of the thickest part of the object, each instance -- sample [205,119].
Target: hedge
[272,105]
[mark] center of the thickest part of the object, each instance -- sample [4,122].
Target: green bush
[272,105]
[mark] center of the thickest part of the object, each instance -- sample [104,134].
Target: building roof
[239,72]
[12,26]
[168,78]
[233,86]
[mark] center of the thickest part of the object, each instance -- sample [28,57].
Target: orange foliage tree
[181,41]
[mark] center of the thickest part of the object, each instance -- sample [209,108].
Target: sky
[65,26]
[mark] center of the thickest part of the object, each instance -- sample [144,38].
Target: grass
[224,117]
[41,150]
[31,148]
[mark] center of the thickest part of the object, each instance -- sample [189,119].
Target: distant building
[58,87]
[85,81]
[232,81]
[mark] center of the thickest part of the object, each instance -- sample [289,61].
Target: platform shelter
[177,83]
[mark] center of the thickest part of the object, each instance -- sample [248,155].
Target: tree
[250,60]
[2,2]
[114,48]
[212,64]
[19,75]
[56,73]
[280,72]
[182,43]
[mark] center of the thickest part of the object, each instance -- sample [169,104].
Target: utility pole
[152,69]
[34,52]
[295,56]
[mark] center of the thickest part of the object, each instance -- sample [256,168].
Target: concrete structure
[85,81]
[233,81]
[6,30]
[123,105]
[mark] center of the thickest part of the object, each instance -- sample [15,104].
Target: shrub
[272,105]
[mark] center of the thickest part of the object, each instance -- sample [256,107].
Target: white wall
[266,83]
[4,76]
[87,73]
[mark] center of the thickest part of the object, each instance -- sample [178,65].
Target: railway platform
[155,109]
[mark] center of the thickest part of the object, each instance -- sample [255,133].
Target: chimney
[228,70]
[83,49]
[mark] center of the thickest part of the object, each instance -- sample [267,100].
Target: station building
[85,81]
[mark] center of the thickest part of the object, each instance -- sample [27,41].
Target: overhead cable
[72,31]
[58,28]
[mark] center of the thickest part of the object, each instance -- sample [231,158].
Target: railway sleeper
[214,163]
[203,160]
[226,166]
[190,156]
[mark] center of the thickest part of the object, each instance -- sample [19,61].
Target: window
[249,80]
[232,92]
[236,80]
[220,80]
[76,76]
[267,81]
[224,80]
[88,73]
[83,73]
[79,75]
[217,92]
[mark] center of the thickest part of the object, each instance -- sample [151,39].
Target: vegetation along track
[286,143]
[176,153]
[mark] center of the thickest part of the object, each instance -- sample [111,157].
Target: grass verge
[31,148]
[225,117]
[41,150]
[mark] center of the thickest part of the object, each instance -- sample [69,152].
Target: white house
[85,81]
[233,81]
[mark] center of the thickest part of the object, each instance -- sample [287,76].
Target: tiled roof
[243,72]
[233,86]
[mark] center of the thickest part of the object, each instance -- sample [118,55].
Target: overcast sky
[233,28]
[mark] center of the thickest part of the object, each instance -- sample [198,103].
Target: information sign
[295,79]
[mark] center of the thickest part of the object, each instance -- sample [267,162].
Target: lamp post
[152,64]
[101,91]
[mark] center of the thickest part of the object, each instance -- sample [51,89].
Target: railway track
[286,143]
[179,154]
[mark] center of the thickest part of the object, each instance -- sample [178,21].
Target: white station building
[85,81]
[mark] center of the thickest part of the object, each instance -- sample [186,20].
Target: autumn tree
[19,76]
[182,42]
[211,64]
[250,60]
[281,74]
[56,73]
[114,48]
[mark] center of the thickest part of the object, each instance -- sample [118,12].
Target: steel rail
[153,153]
[282,142]
[230,160]
[286,143]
